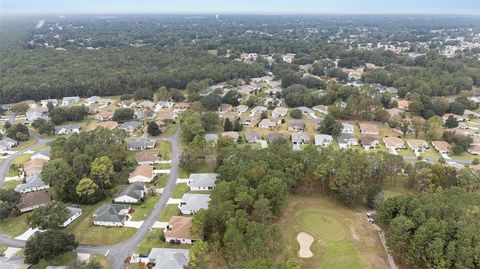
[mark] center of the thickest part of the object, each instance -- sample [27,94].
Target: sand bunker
[305,240]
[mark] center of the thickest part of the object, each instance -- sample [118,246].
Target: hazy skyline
[15,7]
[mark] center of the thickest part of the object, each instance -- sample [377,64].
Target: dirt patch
[305,241]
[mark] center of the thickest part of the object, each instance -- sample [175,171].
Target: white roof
[202,180]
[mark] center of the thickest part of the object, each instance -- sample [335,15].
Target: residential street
[115,253]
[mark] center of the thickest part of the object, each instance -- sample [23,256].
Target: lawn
[19,160]
[143,210]
[88,234]
[153,240]
[11,184]
[406,152]
[179,190]
[165,149]
[68,258]
[102,260]
[170,130]
[168,212]
[161,166]
[160,181]
[14,226]
[430,153]
[343,238]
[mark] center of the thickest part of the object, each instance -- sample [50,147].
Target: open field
[165,149]
[14,226]
[343,237]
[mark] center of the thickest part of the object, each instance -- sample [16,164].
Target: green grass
[170,130]
[102,260]
[430,153]
[161,166]
[11,184]
[3,248]
[86,233]
[165,149]
[14,226]
[160,181]
[179,190]
[68,258]
[406,152]
[143,210]
[322,226]
[465,156]
[168,212]
[153,240]
[19,160]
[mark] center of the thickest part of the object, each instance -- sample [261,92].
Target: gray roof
[322,138]
[134,190]
[300,137]
[33,181]
[211,137]
[140,143]
[194,202]
[298,124]
[131,125]
[168,258]
[110,212]
[343,138]
[71,98]
[252,136]
[7,143]
[45,152]
[202,180]
[67,127]
[305,110]
[72,211]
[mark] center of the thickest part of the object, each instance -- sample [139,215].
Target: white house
[111,215]
[279,112]
[32,183]
[191,203]
[67,129]
[70,100]
[44,154]
[347,128]
[45,102]
[323,140]
[132,194]
[143,173]
[347,140]
[202,181]
[74,213]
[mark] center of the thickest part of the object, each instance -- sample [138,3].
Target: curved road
[117,253]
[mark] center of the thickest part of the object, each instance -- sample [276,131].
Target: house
[392,90]
[347,140]
[32,183]
[140,143]
[163,105]
[133,194]
[211,138]
[403,104]
[92,100]
[111,215]
[70,100]
[45,102]
[369,142]
[202,181]
[30,201]
[252,137]
[143,173]
[306,111]
[233,135]
[128,104]
[296,126]
[108,124]
[67,129]
[7,144]
[104,116]
[474,149]
[442,147]
[165,115]
[275,137]
[44,154]
[147,157]
[131,126]
[181,107]
[73,214]
[471,114]
[475,167]
[300,138]
[168,258]
[258,110]
[267,123]
[457,117]
[394,111]
[323,140]
[178,230]
[369,128]
[223,108]
[33,167]
[147,104]
[321,108]
[279,112]
[191,203]
[37,113]
[241,109]
[250,121]
[393,143]
[347,128]
[417,145]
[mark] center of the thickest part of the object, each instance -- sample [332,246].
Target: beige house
[143,173]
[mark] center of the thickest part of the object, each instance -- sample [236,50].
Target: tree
[123,115]
[418,125]
[49,217]
[88,191]
[18,132]
[20,108]
[211,102]
[227,125]
[231,97]
[296,113]
[8,202]
[102,171]
[197,255]
[209,120]
[93,264]
[48,244]
[237,126]
[43,126]
[153,129]
[60,176]
[330,126]
[451,122]
[190,123]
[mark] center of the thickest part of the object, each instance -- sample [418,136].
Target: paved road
[6,162]
[115,253]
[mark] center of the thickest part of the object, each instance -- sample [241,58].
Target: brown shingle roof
[108,124]
[142,170]
[179,227]
[370,128]
[147,156]
[441,145]
[392,142]
[34,166]
[33,199]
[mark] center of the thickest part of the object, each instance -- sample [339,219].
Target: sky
[18,7]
